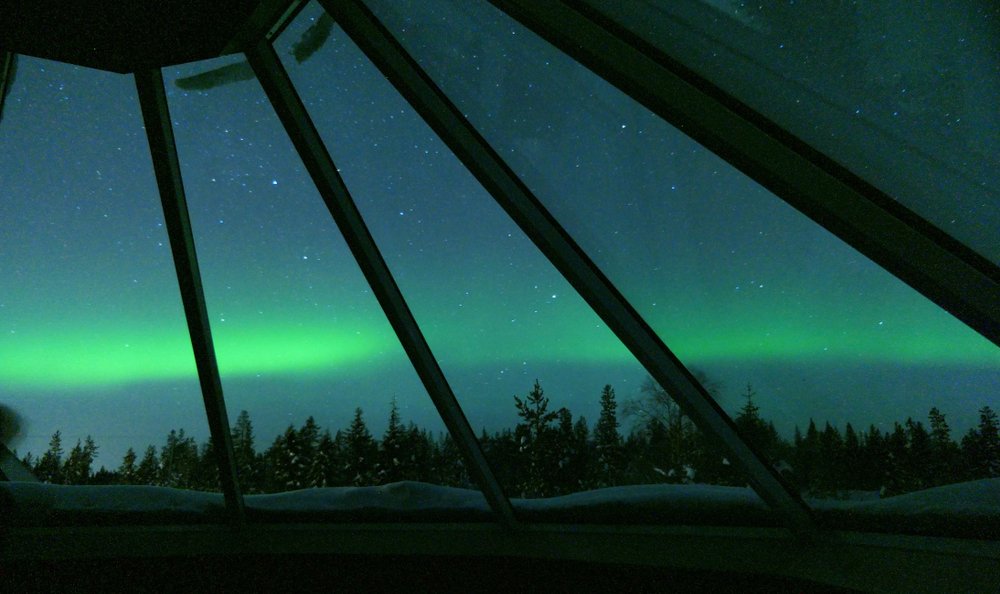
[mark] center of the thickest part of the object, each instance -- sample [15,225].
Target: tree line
[549,452]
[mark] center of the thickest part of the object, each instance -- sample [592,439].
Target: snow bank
[40,504]
[648,504]
[408,501]
[969,509]
[396,502]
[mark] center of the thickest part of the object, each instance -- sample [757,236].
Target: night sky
[738,284]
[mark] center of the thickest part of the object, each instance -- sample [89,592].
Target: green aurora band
[83,356]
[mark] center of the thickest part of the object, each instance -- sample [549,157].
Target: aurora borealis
[92,336]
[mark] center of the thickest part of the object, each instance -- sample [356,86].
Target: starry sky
[738,284]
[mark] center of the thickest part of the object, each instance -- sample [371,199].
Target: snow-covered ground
[644,504]
[40,504]
[969,509]
[403,501]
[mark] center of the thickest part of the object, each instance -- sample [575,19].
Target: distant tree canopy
[549,452]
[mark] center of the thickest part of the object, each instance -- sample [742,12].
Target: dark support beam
[12,469]
[267,21]
[515,198]
[11,427]
[938,266]
[345,213]
[153,102]
[8,65]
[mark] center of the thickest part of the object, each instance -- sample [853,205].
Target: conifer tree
[535,439]
[990,436]
[807,458]
[944,462]
[244,455]
[343,465]
[448,467]
[759,432]
[503,453]
[750,413]
[392,463]
[286,461]
[608,442]
[148,472]
[49,467]
[307,440]
[127,470]
[981,447]
[918,456]
[797,444]
[178,460]
[76,470]
[417,450]
[569,465]
[103,476]
[851,458]
[831,446]
[325,463]
[875,460]
[896,480]
[205,473]
[360,452]
[585,455]
[851,442]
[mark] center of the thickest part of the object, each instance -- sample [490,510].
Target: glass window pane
[901,95]
[94,343]
[302,343]
[505,326]
[791,325]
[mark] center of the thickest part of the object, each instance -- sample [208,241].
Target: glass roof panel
[901,96]
[298,332]
[796,335]
[497,315]
[94,341]
[738,284]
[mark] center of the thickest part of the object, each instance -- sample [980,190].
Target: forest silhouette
[550,452]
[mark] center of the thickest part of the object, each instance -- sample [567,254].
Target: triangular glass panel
[527,358]
[318,388]
[96,357]
[795,328]
[895,95]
